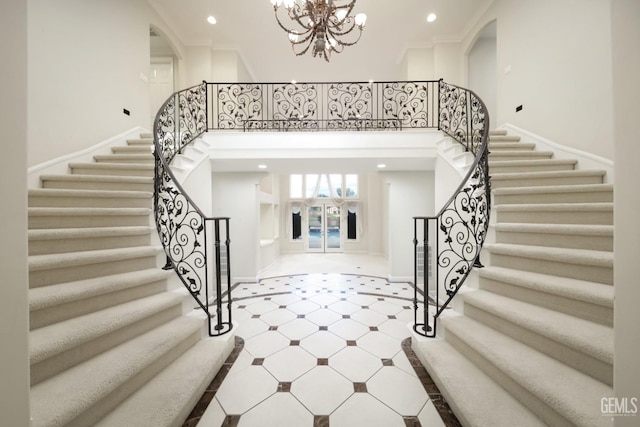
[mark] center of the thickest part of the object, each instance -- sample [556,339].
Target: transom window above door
[312,186]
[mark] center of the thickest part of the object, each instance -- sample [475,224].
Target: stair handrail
[182,226]
[460,228]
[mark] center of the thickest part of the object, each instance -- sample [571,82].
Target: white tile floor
[322,349]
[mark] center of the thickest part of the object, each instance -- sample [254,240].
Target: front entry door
[324,233]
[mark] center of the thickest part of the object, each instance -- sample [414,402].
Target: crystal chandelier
[324,26]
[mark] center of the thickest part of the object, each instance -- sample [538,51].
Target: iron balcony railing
[457,232]
[447,246]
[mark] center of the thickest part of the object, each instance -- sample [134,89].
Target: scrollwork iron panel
[407,102]
[192,104]
[349,101]
[237,103]
[454,119]
[295,101]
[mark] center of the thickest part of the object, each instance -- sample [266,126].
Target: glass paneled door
[324,232]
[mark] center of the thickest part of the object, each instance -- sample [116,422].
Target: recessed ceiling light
[293,82]
[211,19]
[431,17]
[262,166]
[382,166]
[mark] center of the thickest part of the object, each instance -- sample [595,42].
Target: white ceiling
[249,26]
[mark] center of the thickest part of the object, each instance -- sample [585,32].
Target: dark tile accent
[300,316]
[365,307]
[255,316]
[387,362]
[242,306]
[268,298]
[360,387]
[392,317]
[406,307]
[380,299]
[273,328]
[323,328]
[411,422]
[258,361]
[323,362]
[373,328]
[294,343]
[351,343]
[212,388]
[346,316]
[282,307]
[231,421]
[284,387]
[444,410]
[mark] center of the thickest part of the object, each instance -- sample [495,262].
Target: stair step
[132,149]
[43,218]
[575,236]
[520,155]
[552,178]
[581,344]
[583,299]
[556,393]
[86,392]
[98,182]
[52,269]
[556,213]
[140,141]
[581,264]
[469,391]
[60,346]
[118,169]
[56,303]
[497,132]
[168,398]
[493,137]
[531,165]
[590,193]
[49,197]
[149,135]
[124,158]
[501,145]
[62,240]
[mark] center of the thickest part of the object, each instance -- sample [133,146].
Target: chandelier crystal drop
[321,26]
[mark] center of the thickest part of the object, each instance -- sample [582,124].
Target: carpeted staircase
[111,343]
[534,344]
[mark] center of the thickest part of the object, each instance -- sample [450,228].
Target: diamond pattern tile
[322,350]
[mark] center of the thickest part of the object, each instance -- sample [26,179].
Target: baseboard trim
[585,159]
[59,165]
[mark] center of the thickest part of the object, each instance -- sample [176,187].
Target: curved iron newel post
[185,232]
[448,245]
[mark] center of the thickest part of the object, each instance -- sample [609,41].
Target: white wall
[625,19]
[86,62]
[482,73]
[559,57]
[235,195]
[417,64]
[197,64]
[410,194]
[447,60]
[14,306]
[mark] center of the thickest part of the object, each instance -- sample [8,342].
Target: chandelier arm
[287,30]
[335,29]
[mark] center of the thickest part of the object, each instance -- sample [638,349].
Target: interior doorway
[324,228]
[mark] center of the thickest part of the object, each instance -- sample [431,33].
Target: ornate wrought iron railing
[197,246]
[447,245]
[323,106]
